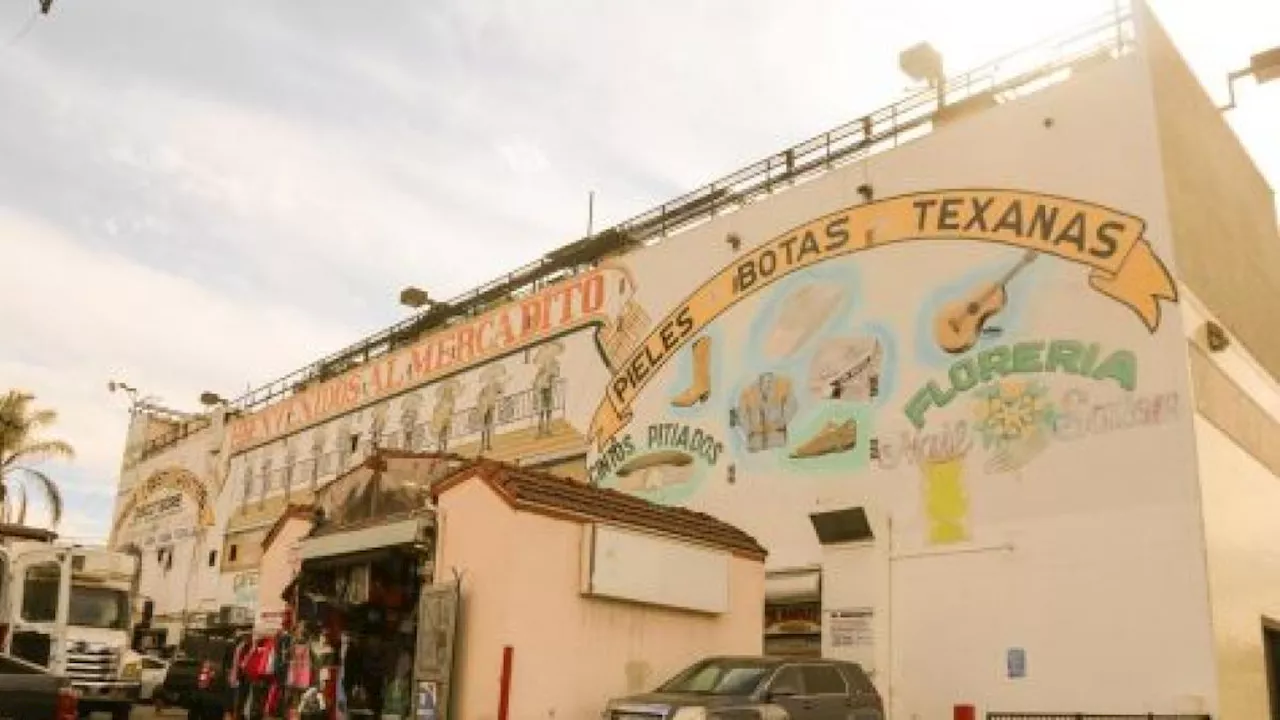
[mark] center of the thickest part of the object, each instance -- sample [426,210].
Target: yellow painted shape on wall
[946,502]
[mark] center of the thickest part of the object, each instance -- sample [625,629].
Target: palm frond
[49,489]
[37,451]
[15,401]
[20,517]
[42,418]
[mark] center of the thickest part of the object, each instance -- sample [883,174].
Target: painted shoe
[673,458]
[834,437]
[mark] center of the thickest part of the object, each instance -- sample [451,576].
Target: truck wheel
[121,713]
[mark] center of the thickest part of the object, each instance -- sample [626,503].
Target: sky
[206,196]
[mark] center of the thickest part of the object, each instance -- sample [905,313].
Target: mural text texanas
[1122,266]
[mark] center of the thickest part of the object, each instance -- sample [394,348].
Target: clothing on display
[364,630]
[765,408]
[357,585]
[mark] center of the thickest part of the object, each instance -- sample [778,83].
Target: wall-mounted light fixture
[414,297]
[734,240]
[209,399]
[1264,67]
[923,63]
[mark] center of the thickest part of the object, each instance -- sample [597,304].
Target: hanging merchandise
[358,584]
[397,696]
[299,674]
[341,689]
[312,706]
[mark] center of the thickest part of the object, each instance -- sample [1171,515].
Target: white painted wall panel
[629,565]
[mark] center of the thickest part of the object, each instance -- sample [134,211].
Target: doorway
[1271,651]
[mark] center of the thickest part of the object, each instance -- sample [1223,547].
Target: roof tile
[522,486]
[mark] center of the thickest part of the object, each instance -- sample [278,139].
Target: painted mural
[601,298]
[931,331]
[925,331]
[171,504]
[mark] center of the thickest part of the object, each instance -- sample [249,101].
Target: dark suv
[755,688]
[197,677]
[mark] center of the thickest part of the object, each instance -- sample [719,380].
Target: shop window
[213,558]
[232,551]
[355,442]
[40,592]
[168,560]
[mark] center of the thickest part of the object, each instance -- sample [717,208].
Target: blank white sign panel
[630,565]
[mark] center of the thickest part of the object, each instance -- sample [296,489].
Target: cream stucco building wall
[168,506]
[278,566]
[521,580]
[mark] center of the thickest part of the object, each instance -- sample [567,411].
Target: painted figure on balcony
[547,359]
[409,421]
[442,415]
[492,381]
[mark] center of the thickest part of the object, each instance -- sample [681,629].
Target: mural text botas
[1109,242]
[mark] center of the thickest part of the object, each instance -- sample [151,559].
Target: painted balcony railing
[307,473]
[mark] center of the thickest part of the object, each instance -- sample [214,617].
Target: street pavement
[146,712]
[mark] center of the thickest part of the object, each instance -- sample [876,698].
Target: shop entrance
[793,613]
[364,607]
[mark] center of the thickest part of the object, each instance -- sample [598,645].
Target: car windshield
[98,607]
[719,677]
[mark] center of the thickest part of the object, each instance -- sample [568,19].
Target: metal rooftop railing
[1015,75]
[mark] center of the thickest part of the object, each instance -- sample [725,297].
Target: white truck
[69,608]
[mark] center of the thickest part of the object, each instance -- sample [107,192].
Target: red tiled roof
[537,491]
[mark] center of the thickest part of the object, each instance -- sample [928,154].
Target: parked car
[196,679]
[31,692]
[757,688]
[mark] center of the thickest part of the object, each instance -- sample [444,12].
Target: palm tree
[21,446]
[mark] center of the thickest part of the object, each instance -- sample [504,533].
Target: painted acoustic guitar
[960,323]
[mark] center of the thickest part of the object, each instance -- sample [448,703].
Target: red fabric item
[258,662]
[330,690]
[273,699]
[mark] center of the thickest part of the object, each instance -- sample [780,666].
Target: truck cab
[69,609]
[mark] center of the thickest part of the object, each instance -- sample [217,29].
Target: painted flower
[1010,410]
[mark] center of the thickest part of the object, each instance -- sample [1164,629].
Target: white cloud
[78,317]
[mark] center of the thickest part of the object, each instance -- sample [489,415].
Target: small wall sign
[1017,662]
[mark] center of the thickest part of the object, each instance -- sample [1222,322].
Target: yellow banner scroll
[1125,268]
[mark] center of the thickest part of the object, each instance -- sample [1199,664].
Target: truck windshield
[99,607]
